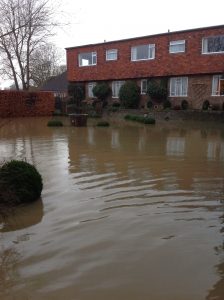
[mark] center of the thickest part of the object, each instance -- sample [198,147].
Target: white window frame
[151,47]
[176,82]
[93,60]
[143,91]
[90,89]
[176,43]
[116,85]
[203,46]
[216,85]
[111,52]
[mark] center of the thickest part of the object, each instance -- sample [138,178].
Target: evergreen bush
[205,105]
[157,90]
[54,123]
[20,182]
[103,124]
[184,105]
[129,95]
[101,90]
[166,104]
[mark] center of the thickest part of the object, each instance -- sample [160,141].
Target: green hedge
[54,123]
[140,119]
[103,124]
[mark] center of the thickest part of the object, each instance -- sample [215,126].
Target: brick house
[192,61]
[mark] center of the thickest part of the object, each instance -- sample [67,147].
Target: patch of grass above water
[54,123]
[140,119]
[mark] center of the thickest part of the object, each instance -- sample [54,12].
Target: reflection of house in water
[175,146]
[215,150]
[145,151]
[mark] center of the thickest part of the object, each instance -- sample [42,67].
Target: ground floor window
[116,85]
[143,86]
[217,85]
[90,89]
[178,86]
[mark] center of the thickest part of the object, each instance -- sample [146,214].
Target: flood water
[130,212]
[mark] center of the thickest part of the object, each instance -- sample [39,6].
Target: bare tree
[45,63]
[29,23]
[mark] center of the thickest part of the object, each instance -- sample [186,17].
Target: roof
[148,36]
[56,84]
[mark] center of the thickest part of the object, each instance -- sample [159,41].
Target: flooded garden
[130,211]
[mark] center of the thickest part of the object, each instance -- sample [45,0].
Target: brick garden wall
[26,104]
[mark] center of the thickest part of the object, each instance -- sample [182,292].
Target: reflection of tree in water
[217,292]
[8,272]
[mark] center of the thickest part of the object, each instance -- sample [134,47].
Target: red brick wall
[164,64]
[26,104]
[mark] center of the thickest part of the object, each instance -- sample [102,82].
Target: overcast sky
[95,21]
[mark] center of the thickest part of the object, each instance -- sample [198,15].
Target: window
[90,89]
[116,85]
[213,44]
[143,52]
[87,59]
[217,85]
[178,86]
[177,46]
[143,86]
[111,54]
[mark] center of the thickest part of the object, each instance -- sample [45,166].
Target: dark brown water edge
[127,212]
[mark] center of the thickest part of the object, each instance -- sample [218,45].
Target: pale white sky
[93,21]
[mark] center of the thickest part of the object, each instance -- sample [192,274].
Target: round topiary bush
[54,123]
[20,182]
[103,124]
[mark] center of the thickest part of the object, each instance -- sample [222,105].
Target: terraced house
[191,60]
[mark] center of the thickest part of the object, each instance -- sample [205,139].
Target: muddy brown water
[128,212]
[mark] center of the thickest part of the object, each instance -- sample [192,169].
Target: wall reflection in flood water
[127,212]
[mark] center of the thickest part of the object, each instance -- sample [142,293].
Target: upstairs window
[111,54]
[213,44]
[87,59]
[178,86]
[143,52]
[116,85]
[177,46]
[90,89]
[143,86]
[217,85]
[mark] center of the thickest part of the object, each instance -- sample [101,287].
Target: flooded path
[128,212]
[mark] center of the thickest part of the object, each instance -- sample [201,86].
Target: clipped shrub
[166,104]
[129,94]
[54,123]
[150,104]
[76,91]
[205,105]
[101,90]
[184,105]
[140,119]
[127,117]
[20,182]
[157,90]
[103,124]
[149,121]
